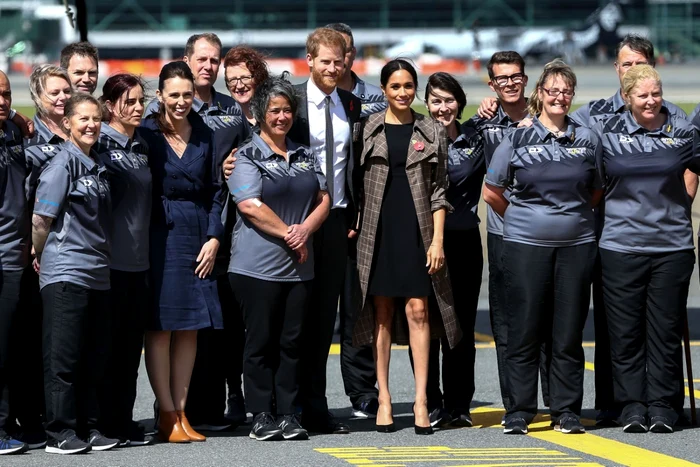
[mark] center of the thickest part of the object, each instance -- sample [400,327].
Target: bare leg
[383,316]
[419,337]
[158,367]
[182,355]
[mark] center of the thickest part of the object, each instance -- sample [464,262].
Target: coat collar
[421,124]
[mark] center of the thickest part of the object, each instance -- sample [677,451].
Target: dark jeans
[645,298]
[274,316]
[549,292]
[76,336]
[330,262]
[130,302]
[219,361]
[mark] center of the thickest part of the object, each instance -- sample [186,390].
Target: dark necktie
[330,145]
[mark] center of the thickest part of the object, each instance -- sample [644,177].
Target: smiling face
[56,92]
[204,63]
[240,83]
[443,106]
[177,97]
[5,98]
[510,92]
[558,104]
[400,90]
[128,110]
[84,125]
[645,101]
[326,68]
[82,71]
[278,117]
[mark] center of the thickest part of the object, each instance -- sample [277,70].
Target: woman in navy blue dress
[185,232]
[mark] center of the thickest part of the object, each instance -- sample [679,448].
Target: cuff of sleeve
[492,183]
[441,204]
[216,231]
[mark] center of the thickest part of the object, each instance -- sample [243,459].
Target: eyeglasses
[568,93]
[502,80]
[245,80]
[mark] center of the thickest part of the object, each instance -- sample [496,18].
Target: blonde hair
[326,37]
[636,75]
[556,67]
[37,84]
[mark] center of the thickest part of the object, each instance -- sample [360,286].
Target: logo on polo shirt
[467,151]
[86,182]
[271,165]
[625,139]
[534,150]
[304,165]
[669,141]
[47,149]
[575,151]
[116,156]
[16,149]
[493,129]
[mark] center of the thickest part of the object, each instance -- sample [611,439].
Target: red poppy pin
[352,106]
[418,145]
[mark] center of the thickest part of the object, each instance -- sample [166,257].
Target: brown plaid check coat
[426,170]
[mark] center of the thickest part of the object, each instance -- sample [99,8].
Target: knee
[417,313]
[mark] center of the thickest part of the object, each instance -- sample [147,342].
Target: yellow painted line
[524,464]
[479,337]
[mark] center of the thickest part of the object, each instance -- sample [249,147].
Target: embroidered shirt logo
[116,156]
[86,182]
[669,141]
[576,151]
[47,149]
[271,165]
[534,150]
[625,139]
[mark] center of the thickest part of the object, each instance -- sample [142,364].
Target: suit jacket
[299,133]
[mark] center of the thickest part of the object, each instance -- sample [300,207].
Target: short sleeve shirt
[131,188]
[15,221]
[493,131]
[465,171]
[74,191]
[647,209]
[372,97]
[39,150]
[552,179]
[290,190]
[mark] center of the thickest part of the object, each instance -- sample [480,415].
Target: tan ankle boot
[194,436]
[170,430]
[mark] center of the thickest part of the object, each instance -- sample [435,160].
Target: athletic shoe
[607,418]
[9,445]
[219,424]
[660,424]
[461,418]
[235,409]
[291,428]
[569,424]
[515,426]
[366,409]
[100,442]
[503,421]
[33,439]
[439,418]
[635,424]
[136,435]
[71,444]
[265,428]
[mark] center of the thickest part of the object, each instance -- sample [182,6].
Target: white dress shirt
[341,137]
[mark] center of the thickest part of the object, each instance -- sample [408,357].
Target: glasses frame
[233,81]
[559,92]
[520,76]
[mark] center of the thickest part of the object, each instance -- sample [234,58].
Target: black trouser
[330,260]
[548,297]
[130,302]
[10,292]
[499,323]
[356,363]
[274,316]
[465,262]
[76,336]
[604,396]
[219,361]
[645,298]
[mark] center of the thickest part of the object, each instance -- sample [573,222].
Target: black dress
[398,267]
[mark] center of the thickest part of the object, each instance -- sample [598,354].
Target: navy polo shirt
[552,179]
[74,191]
[15,223]
[602,109]
[465,171]
[372,97]
[290,190]
[647,209]
[131,188]
[493,131]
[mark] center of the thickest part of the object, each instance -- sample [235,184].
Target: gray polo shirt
[647,209]
[694,113]
[131,189]
[493,131]
[552,179]
[74,191]
[290,190]
[15,221]
[39,150]
[372,97]
[602,109]
[465,171]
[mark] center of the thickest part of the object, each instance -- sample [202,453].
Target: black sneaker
[569,424]
[607,418]
[291,428]
[461,418]
[9,445]
[515,426]
[265,428]
[439,418]
[136,436]
[235,409]
[33,439]
[71,444]
[100,442]
[635,424]
[219,424]
[366,409]
[660,424]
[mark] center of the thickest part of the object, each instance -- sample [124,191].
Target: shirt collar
[544,133]
[266,150]
[121,139]
[359,88]
[618,103]
[198,103]
[318,97]
[74,150]
[634,127]
[502,117]
[44,133]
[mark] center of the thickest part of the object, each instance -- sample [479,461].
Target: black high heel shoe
[390,428]
[421,430]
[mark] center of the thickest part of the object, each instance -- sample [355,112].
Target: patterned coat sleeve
[439,183]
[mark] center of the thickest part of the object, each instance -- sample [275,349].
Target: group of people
[224,233]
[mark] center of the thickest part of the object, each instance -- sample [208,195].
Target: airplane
[601,28]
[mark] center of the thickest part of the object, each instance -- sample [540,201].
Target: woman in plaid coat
[400,246]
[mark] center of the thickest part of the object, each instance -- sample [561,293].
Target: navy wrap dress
[186,214]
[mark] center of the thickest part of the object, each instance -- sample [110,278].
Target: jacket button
[174,176]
